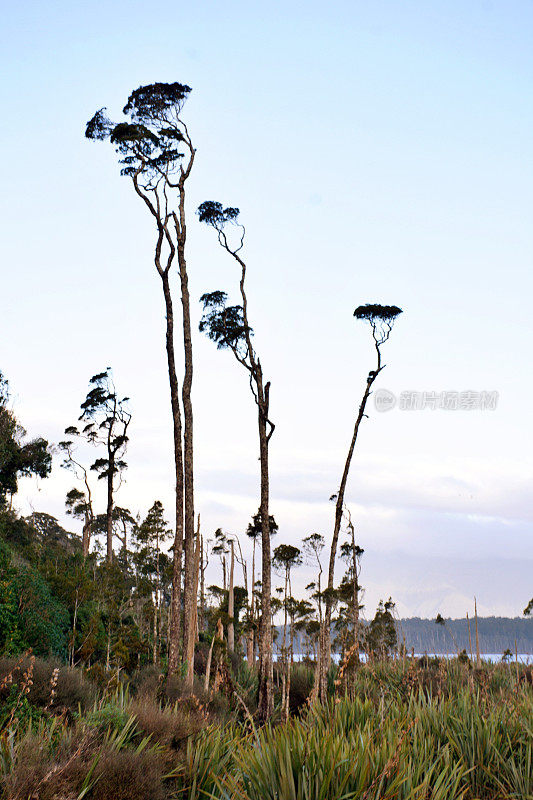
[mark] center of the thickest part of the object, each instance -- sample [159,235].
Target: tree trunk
[231,602]
[191,641]
[265,700]
[189,596]
[201,621]
[478,656]
[86,537]
[325,655]
[250,652]
[175,602]
[355,596]
[109,508]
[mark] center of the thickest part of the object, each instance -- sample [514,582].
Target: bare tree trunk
[86,537]
[284,649]
[265,699]
[175,601]
[250,653]
[109,507]
[231,601]
[325,654]
[355,596]
[478,656]
[201,621]
[189,597]
[469,636]
[191,641]
[208,665]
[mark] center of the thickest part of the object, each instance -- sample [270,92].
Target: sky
[379,152]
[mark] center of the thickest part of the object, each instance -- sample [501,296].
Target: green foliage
[32,616]
[18,458]
[148,142]
[224,324]
[380,635]
[470,741]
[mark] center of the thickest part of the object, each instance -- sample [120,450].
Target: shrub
[128,775]
[302,680]
[78,764]
[72,689]
[168,726]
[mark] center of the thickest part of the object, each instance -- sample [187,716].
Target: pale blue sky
[378,152]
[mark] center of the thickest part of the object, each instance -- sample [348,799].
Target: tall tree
[17,457]
[157,154]
[107,420]
[381,321]
[229,327]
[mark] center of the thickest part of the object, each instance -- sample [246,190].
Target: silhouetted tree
[157,154]
[229,327]
[107,420]
[381,320]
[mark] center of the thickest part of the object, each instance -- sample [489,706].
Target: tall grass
[402,731]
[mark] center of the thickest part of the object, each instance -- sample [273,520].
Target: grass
[397,731]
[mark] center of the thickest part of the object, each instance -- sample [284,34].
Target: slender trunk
[74,623]
[284,659]
[191,641]
[156,601]
[201,622]
[478,656]
[355,597]
[325,656]
[154,633]
[469,636]
[86,537]
[109,508]
[189,597]
[208,665]
[250,656]
[265,700]
[289,659]
[175,601]
[231,602]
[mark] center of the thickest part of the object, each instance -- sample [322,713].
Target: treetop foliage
[223,324]
[147,142]
[287,556]
[255,526]
[213,213]
[153,101]
[375,311]
[381,319]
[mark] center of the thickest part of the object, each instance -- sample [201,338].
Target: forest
[127,672]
